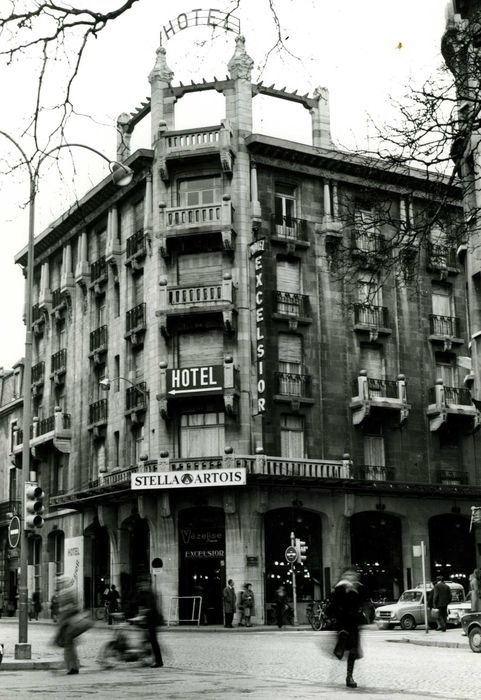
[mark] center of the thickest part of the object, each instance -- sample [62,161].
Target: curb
[27,665]
[425,643]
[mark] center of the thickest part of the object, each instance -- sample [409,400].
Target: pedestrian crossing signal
[34,507]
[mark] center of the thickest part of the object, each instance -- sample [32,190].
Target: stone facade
[227,241]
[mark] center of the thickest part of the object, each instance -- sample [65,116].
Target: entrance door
[202,562]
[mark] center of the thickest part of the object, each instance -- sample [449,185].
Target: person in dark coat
[113,601]
[246,605]
[347,601]
[441,599]
[148,607]
[229,600]
[281,606]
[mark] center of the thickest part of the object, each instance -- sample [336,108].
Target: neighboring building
[211,294]
[11,405]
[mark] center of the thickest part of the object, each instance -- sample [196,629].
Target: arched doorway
[134,559]
[451,547]
[96,564]
[376,551]
[202,560]
[306,526]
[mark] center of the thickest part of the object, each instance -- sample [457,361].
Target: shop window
[202,434]
[292,437]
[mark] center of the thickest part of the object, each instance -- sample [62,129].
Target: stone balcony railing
[371,393]
[209,140]
[451,404]
[56,428]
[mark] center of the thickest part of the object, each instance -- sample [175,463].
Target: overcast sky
[364,52]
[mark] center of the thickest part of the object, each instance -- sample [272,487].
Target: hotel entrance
[202,561]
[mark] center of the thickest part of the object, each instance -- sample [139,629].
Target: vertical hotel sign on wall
[256,252]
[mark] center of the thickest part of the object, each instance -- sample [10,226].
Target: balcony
[293,388]
[98,415]
[445,330]
[211,305]
[198,383]
[136,250]
[56,428]
[291,307]
[289,232]
[195,144]
[452,477]
[384,397]
[98,274]
[213,224]
[332,228]
[58,366]
[441,259]
[136,401]
[371,319]
[369,472]
[38,378]
[38,320]
[136,324]
[368,249]
[98,344]
[451,405]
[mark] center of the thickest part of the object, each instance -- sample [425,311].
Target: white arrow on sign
[192,391]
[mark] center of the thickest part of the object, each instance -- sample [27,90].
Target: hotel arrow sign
[14,532]
[195,381]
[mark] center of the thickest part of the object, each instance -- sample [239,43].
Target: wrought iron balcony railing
[136,244]
[367,242]
[370,472]
[455,395]
[444,325]
[98,338]
[98,411]
[59,360]
[135,318]
[136,396]
[291,384]
[378,388]
[56,298]
[36,313]
[371,315]
[38,373]
[453,477]
[98,269]
[441,256]
[289,227]
[291,304]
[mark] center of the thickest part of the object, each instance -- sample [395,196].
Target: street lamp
[122,175]
[106,383]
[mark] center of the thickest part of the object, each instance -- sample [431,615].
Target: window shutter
[374,451]
[372,361]
[441,300]
[292,437]
[202,434]
[289,276]
[203,348]
[290,348]
[198,269]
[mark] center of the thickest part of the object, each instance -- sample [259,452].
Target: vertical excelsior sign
[257,252]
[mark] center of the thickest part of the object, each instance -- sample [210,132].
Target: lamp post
[121,175]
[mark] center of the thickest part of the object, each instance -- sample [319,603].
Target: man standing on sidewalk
[229,600]
[441,600]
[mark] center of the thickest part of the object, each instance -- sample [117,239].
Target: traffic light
[33,506]
[301,549]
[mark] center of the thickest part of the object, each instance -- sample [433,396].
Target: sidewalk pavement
[453,638]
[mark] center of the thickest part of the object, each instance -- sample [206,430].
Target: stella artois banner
[475,516]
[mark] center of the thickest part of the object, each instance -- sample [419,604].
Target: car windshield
[457,596]
[411,597]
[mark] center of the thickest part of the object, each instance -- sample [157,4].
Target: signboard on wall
[195,381]
[189,479]
[74,564]
[256,251]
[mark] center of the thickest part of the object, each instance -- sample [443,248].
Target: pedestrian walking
[346,607]
[68,609]
[441,599]
[246,605]
[36,604]
[229,600]
[148,608]
[54,607]
[113,599]
[281,606]
[475,588]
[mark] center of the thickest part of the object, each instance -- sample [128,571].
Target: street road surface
[238,663]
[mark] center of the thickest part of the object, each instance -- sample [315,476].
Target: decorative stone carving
[161,70]
[241,64]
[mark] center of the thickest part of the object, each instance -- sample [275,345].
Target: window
[372,360]
[116,376]
[117,448]
[204,347]
[292,437]
[439,246]
[285,210]
[61,338]
[443,311]
[289,287]
[138,216]
[101,242]
[367,229]
[369,292]
[98,374]
[17,384]
[199,192]
[290,364]
[99,457]
[137,443]
[12,484]
[137,363]
[374,457]
[199,268]
[13,430]
[59,484]
[446,370]
[202,434]
[116,299]
[137,289]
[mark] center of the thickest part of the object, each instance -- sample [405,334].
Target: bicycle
[317,616]
[130,643]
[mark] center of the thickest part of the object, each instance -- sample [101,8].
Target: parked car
[471,624]
[408,612]
[457,609]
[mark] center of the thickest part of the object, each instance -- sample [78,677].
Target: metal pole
[423,564]
[23,650]
[293,575]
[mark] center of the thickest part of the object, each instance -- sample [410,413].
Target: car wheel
[475,640]
[408,622]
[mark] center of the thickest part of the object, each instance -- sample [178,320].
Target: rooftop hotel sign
[189,479]
[213,18]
